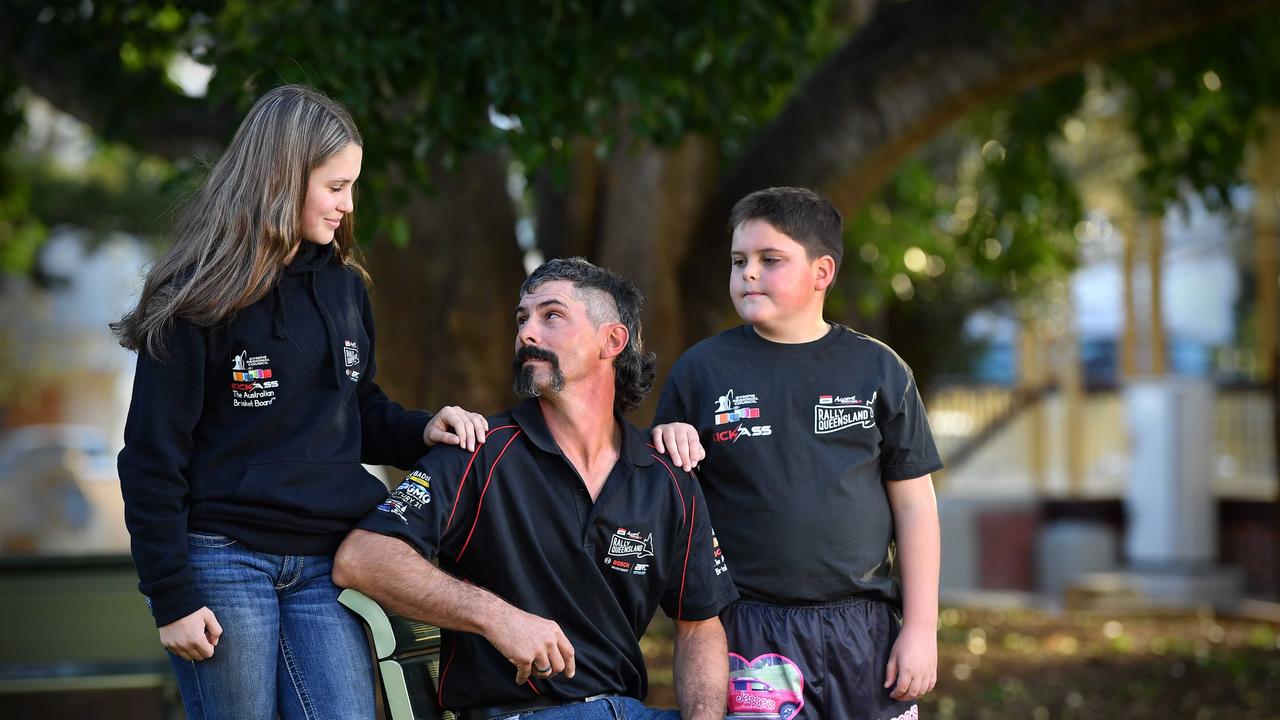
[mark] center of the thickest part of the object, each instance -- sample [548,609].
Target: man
[560,536]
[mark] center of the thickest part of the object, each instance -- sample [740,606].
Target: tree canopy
[931,122]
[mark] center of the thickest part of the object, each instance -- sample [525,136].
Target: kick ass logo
[734,434]
[734,407]
[252,384]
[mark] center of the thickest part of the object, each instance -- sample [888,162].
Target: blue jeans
[611,708]
[287,646]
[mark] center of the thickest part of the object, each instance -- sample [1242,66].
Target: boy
[816,473]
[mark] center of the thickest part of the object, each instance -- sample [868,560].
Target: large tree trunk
[910,70]
[445,305]
[634,213]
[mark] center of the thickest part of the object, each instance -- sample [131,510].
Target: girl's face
[329,192]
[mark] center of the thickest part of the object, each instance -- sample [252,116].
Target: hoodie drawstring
[335,350]
[278,328]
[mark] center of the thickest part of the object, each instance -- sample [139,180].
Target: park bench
[406,657]
[76,640]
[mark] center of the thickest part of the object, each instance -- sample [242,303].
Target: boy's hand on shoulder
[913,663]
[680,441]
[452,425]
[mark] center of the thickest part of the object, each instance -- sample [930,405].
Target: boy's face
[773,281]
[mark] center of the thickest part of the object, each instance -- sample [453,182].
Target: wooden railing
[967,419]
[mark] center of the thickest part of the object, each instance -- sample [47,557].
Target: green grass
[996,664]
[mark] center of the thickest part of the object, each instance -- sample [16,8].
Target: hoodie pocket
[343,490]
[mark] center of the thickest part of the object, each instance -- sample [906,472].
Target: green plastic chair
[407,655]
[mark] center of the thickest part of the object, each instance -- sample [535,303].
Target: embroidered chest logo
[834,413]
[251,382]
[626,550]
[731,409]
[736,408]
[351,356]
[411,494]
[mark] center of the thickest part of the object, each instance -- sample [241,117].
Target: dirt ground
[997,664]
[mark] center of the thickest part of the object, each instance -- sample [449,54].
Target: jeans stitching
[199,691]
[210,540]
[290,571]
[295,677]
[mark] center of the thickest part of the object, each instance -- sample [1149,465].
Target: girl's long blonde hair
[231,240]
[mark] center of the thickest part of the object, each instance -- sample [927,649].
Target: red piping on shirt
[688,545]
[464,476]
[688,521]
[443,673]
[683,508]
[480,504]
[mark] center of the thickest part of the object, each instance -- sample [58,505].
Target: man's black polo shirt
[515,518]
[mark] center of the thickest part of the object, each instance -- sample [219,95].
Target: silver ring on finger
[542,670]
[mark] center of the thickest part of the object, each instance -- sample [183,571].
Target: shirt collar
[528,415]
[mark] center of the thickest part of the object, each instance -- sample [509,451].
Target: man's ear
[824,273]
[615,341]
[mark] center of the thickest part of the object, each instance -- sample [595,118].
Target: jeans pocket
[209,540]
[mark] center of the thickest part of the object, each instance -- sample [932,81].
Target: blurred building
[64,392]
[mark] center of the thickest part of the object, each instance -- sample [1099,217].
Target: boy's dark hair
[801,214]
[634,369]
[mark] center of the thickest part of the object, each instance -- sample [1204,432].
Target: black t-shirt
[800,439]
[516,518]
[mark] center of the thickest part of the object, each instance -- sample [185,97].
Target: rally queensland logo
[351,356]
[834,413]
[629,544]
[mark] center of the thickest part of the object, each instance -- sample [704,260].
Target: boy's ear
[824,273]
[615,341]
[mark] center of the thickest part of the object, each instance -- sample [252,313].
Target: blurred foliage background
[623,130]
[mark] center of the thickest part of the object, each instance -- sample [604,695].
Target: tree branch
[75,64]
[911,70]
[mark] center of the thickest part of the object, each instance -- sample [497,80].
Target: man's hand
[393,573]
[913,663]
[454,426]
[680,441]
[535,645]
[192,637]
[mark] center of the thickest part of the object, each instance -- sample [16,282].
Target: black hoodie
[256,428]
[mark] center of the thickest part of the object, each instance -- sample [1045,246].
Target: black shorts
[812,662]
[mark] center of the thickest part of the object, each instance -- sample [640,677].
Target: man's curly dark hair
[634,369]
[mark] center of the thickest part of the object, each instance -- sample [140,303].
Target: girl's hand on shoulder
[454,426]
[192,637]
